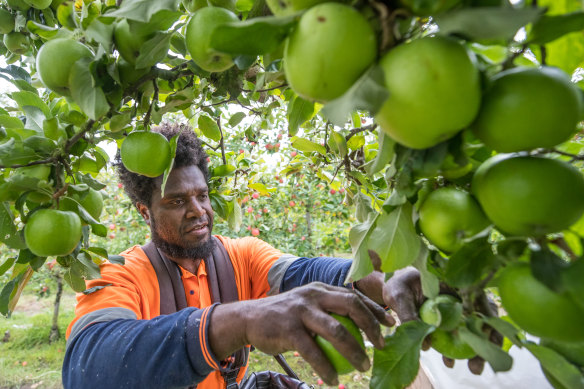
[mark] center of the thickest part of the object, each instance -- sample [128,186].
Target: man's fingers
[427,343]
[363,311]
[380,314]
[448,362]
[313,355]
[339,337]
[476,365]
[403,294]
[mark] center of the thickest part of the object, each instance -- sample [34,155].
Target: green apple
[328,51]
[6,21]
[288,7]
[198,38]
[448,216]
[55,60]
[19,5]
[434,91]
[16,42]
[339,362]
[443,311]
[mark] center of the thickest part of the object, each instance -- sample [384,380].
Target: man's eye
[177,202]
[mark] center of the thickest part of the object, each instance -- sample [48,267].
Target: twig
[265,90]
[154,101]
[40,162]
[561,243]
[222,141]
[355,131]
[79,135]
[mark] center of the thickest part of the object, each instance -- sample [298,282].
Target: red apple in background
[255,231]
[255,195]
[249,209]
[333,191]
[291,203]
[293,154]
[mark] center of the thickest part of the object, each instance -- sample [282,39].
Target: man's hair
[189,152]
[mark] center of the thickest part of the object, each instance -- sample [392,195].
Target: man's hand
[403,294]
[290,321]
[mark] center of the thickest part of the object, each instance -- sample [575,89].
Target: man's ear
[144,211]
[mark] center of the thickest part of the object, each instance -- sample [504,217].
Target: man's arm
[163,352]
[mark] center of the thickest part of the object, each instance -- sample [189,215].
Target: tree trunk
[55,334]
[309,226]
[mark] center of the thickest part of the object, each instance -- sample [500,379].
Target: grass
[29,361]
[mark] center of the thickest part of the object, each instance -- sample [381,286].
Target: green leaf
[173,145]
[84,91]
[497,358]
[548,268]
[7,265]
[235,218]
[254,36]
[236,118]
[9,122]
[572,277]
[91,268]
[143,10]
[34,118]
[486,23]
[557,366]
[100,32]
[99,251]
[24,98]
[384,155]
[430,282]
[299,111]
[356,142]
[261,188]
[223,170]
[338,143]
[153,50]
[396,366]
[470,264]
[73,277]
[359,240]
[551,27]
[219,204]
[305,145]
[95,289]
[16,73]
[367,93]
[395,239]
[209,128]
[506,329]
[7,292]
[7,228]
[117,259]
[14,152]
[41,30]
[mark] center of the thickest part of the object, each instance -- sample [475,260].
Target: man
[118,338]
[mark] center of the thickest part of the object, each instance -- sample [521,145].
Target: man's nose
[194,208]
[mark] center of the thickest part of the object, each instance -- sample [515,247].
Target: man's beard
[173,250]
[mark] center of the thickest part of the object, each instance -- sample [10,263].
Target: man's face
[181,222]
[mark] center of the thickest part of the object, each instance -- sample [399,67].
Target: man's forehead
[182,179]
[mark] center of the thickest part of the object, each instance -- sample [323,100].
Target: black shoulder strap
[220,275]
[172,292]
